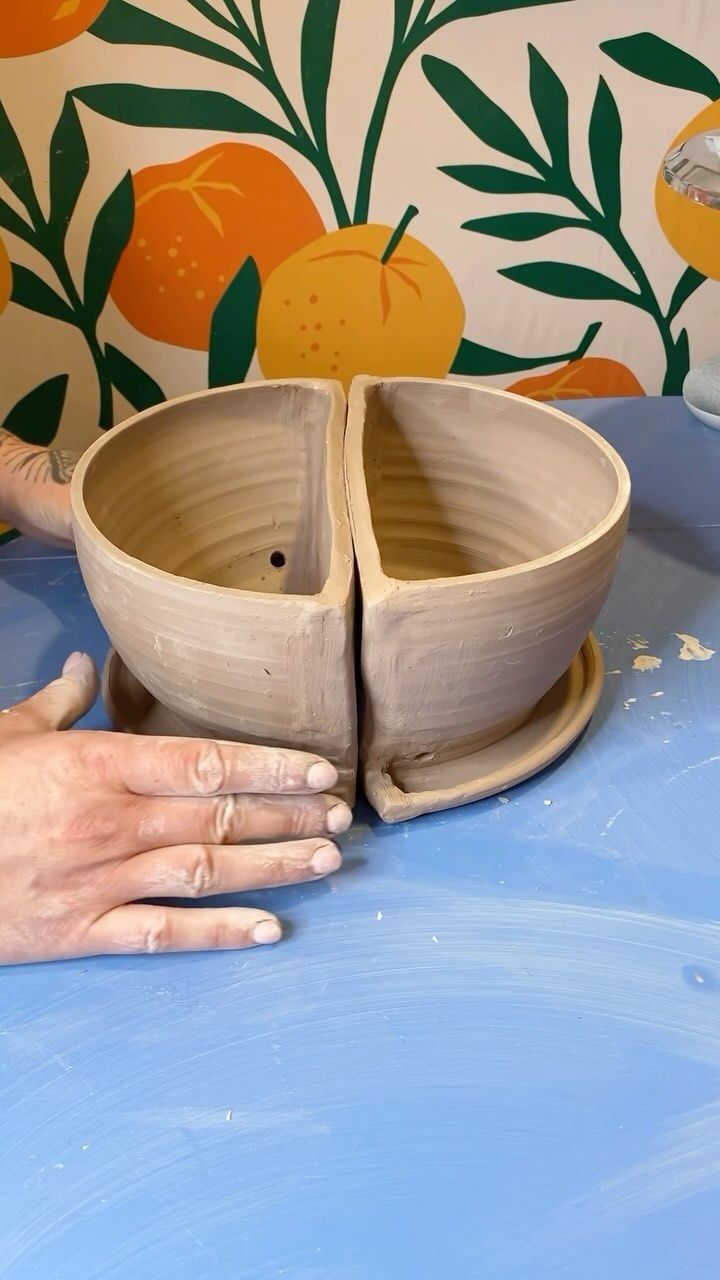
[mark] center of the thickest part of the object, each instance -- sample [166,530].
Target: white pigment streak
[702,764]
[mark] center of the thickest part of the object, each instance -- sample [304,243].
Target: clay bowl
[487,531]
[213,538]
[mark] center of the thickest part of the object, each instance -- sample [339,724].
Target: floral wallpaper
[197,191]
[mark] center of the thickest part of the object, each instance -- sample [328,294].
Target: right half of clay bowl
[487,532]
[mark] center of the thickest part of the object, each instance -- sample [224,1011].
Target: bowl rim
[367,553]
[339,579]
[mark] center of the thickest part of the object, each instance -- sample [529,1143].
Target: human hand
[93,822]
[35,490]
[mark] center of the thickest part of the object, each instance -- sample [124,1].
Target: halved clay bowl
[213,538]
[487,531]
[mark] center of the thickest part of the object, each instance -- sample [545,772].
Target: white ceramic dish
[709,419]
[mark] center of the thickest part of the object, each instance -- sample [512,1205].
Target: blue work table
[489,1048]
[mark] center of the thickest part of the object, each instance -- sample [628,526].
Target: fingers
[201,870]
[194,767]
[132,929]
[159,822]
[60,703]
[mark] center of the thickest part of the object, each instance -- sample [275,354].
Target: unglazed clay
[487,531]
[213,538]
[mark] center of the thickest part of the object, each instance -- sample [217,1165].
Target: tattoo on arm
[37,466]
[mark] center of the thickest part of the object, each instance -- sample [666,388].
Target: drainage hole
[277,560]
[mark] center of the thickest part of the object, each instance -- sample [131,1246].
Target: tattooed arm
[35,489]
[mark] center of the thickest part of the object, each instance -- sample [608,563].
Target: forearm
[34,495]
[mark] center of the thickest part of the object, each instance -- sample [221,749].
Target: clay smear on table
[487,530]
[213,538]
[646,662]
[692,650]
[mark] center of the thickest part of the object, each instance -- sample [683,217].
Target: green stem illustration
[404,45]
[553,176]
[316,153]
[394,66]
[611,232]
[46,235]
[647,298]
[411,212]
[43,241]
[58,261]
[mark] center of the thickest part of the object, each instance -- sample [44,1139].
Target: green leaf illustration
[235,25]
[11,221]
[482,9]
[477,361]
[33,293]
[177,109]
[36,418]
[566,280]
[69,165]
[605,139]
[109,236]
[677,366]
[13,165]
[495,181]
[317,45]
[522,226]
[123,23]
[233,328]
[138,388]
[655,59]
[550,103]
[689,281]
[479,113]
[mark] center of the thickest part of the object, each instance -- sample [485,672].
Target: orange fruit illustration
[364,299]
[692,229]
[5,278]
[31,26]
[196,221]
[591,376]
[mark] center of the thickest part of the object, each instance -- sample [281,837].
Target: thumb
[62,702]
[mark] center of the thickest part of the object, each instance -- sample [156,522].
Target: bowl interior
[464,481]
[227,489]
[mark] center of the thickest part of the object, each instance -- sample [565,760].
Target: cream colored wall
[421,134]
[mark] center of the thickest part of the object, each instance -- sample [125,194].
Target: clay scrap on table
[692,650]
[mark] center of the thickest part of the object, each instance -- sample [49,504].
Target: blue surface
[489,1048]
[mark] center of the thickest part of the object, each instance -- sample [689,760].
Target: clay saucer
[551,729]
[553,726]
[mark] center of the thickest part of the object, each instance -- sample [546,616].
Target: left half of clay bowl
[214,541]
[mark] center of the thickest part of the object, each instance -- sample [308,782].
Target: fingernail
[267,931]
[338,819]
[325,860]
[76,664]
[321,775]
